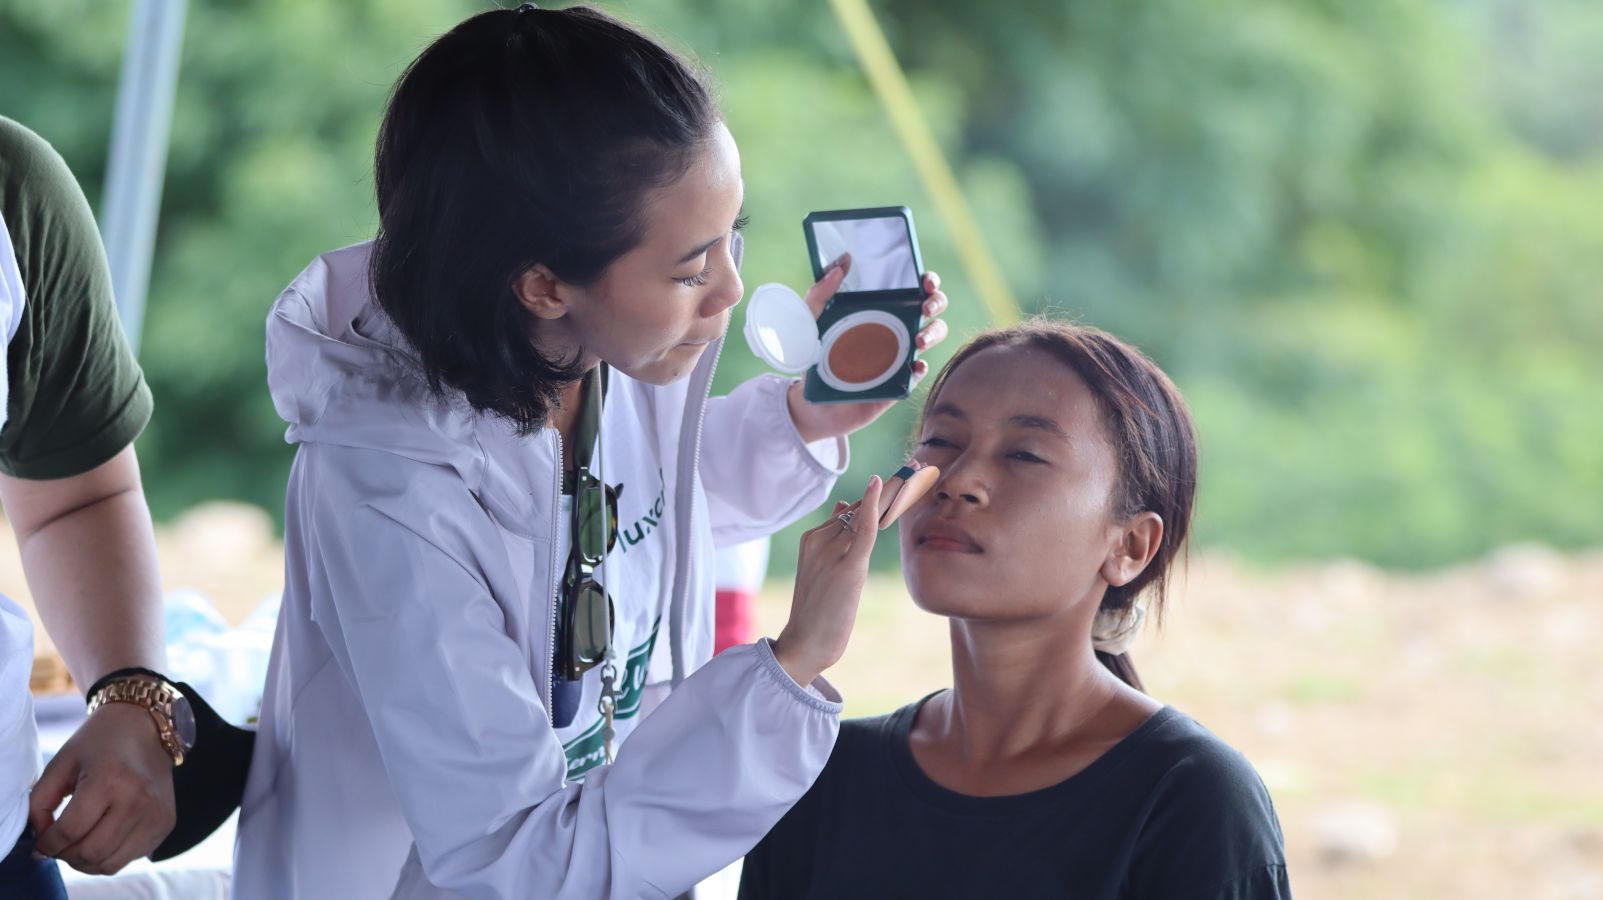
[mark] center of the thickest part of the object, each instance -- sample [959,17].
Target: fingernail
[873,480]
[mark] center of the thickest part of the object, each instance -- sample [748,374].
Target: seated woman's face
[1021,521]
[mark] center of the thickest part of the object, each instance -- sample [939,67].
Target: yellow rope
[890,84]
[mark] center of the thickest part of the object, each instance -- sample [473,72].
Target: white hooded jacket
[404,747]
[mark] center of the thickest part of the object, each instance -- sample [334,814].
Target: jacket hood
[340,373]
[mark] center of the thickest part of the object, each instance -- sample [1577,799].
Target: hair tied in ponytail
[1114,630]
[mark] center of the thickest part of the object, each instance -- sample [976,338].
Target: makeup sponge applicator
[905,488]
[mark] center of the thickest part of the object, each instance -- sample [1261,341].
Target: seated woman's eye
[1026,456]
[936,442]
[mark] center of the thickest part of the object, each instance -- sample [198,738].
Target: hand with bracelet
[118,770]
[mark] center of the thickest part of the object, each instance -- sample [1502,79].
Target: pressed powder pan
[862,354]
[856,351]
[862,349]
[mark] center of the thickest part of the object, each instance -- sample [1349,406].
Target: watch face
[184,722]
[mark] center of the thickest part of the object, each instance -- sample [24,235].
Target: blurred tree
[270,161]
[1342,237]
[1363,235]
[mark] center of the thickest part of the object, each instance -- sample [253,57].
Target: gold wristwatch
[175,720]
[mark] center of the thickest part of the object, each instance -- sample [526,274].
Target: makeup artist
[492,675]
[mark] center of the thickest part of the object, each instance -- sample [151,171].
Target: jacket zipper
[556,587]
[676,612]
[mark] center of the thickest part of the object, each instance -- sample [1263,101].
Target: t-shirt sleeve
[77,395]
[1212,834]
[1264,883]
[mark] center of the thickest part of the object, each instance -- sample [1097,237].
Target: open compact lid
[780,328]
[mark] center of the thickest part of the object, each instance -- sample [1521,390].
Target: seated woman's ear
[1136,542]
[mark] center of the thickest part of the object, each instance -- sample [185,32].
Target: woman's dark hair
[1152,435]
[521,137]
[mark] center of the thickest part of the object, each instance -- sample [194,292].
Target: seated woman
[1068,464]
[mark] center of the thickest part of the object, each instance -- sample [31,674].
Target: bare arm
[89,553]
[90,556]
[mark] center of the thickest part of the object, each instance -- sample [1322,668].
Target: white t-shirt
[19,743]
[638,574]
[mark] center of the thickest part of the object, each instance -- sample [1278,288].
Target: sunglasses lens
[612,516]
[592,622]
[597,506]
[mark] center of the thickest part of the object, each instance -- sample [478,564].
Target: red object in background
[740,576]
[736,623]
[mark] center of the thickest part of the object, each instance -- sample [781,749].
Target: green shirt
[77,396]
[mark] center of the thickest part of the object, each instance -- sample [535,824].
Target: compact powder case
[861,348]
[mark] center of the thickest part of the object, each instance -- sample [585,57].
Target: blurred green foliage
[1363,235]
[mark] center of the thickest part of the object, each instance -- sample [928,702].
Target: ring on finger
[845,519]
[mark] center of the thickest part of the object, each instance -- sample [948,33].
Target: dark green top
[77,396]
[1169,813]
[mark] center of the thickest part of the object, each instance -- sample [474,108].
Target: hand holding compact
[858,331]
[820,420]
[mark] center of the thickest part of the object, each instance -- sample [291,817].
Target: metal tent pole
[138,159]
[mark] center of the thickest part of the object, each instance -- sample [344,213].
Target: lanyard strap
[590,415]
[592,389]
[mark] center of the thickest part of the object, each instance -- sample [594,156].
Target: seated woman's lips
[947,538]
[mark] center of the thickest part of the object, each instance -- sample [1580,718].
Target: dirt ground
[1424,735]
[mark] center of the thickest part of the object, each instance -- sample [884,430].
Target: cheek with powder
[863,353]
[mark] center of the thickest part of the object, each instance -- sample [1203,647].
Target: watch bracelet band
[109,677]
[155,696]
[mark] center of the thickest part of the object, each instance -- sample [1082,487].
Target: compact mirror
[881,249]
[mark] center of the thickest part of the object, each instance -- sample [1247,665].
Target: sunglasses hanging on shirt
[586,615]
